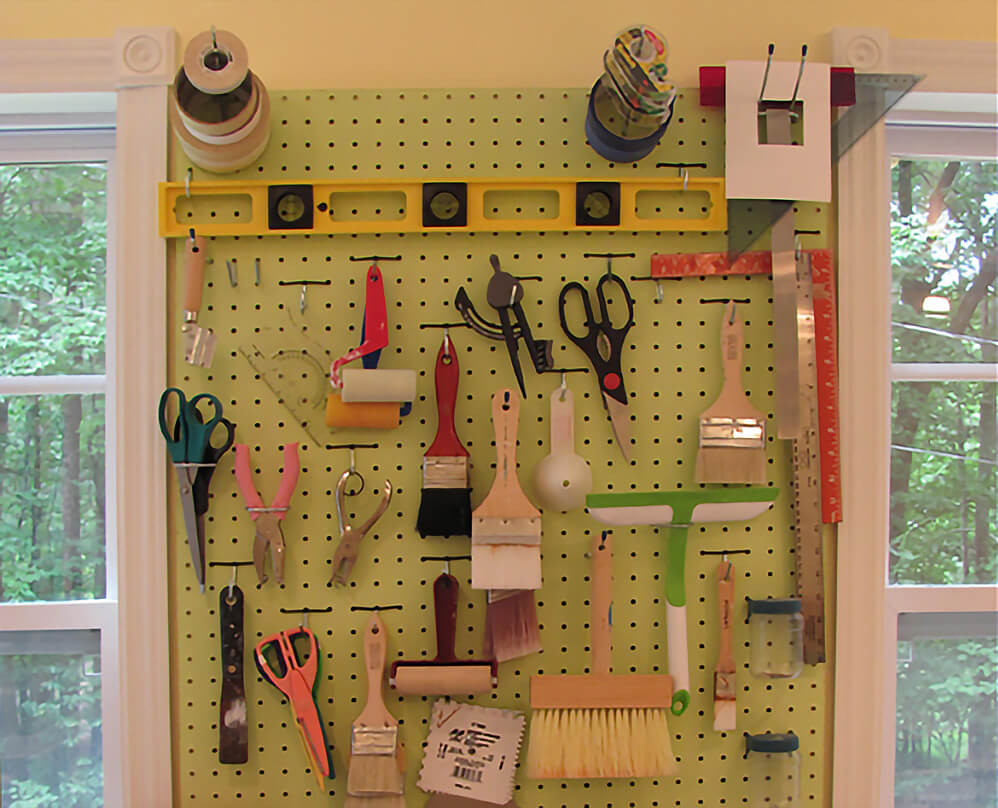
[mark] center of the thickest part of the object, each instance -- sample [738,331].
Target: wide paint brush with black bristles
[445,505]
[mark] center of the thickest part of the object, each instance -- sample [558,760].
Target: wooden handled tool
[732,430]
[506,527]
[445,674]
[375,765]
[562,478]
[725,693]
[199,343]
[445,504]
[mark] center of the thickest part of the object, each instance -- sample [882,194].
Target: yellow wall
[493,43]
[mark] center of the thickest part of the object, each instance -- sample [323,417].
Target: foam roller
[378,385]
[365,414]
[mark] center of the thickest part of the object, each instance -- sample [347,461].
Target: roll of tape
[216,65]
[220,159]
[215,115]
[236,135]
[378,385]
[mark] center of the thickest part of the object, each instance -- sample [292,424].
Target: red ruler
[826,354]
[690,265]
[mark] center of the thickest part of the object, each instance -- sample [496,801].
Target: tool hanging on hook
[505,293]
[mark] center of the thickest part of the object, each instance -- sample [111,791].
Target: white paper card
[756,170]
[471,751]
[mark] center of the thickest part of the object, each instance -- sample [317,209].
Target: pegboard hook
[765,75]
[800,72]
[659,292]
[187,182]
[564,385]
[232,582]
[447,342]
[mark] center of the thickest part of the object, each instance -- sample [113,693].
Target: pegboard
[672,370]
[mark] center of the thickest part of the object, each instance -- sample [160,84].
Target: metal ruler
[334,206]
[808,559]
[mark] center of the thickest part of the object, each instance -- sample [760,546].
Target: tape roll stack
[219,110]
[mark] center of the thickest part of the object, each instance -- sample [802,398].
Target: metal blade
[511,348]
[185,476]
[199,345]
[620,423]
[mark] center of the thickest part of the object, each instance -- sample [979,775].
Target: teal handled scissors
[189,441]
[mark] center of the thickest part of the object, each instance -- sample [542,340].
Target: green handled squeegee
[678,510]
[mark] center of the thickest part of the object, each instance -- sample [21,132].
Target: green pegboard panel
[671,366]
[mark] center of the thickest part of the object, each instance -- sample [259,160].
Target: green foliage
[943,472]
[53,223]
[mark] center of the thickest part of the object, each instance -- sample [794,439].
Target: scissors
[350,536]
[194,457]
[268,520]
[296,679]
[603,343]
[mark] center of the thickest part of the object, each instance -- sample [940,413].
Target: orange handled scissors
[295,679]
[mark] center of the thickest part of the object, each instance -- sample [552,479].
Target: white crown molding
[56,65]
[133,57]
[948,66]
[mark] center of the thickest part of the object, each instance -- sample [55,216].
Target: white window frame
[959,88]
[137,64]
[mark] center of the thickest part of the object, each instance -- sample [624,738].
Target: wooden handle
[194,258]
[601,633]
[505,498]
[375,714]
[726,602]
[731,351]
[445,615]
[562,422]
[446,376]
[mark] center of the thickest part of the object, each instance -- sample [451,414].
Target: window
[943,542]
[57,572]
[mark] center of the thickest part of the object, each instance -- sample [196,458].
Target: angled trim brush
[445,504]
[732,430]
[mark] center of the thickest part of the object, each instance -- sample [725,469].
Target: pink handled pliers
[268,520]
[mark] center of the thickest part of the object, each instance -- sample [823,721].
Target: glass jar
[774,777]
[776,635]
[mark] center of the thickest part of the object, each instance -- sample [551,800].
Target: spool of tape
[243,146]
[216,62]
[215,115]
[378,385]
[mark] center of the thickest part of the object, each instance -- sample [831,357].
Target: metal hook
[564,384]
[659,294]
[765,76]
[602,539]
[232,582]
[447,342]
[233,273]
[512,294]
[686,176]
[214,42]
[800,72]
[734,308]
[256,272]
[193,235]
[187,182]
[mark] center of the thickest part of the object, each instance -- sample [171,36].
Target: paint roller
[677,510]
[371,397]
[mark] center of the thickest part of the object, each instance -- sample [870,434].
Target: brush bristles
[725,715]
[512,627]
[599,743]
[374,775]
[727,464]
[444,512]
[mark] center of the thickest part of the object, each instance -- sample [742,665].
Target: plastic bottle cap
[774,606]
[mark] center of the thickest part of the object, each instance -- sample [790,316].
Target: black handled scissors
[603,343]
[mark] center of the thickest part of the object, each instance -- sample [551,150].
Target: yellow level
[259,208]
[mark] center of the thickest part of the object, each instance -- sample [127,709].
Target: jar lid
[774,606]
[772,742]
